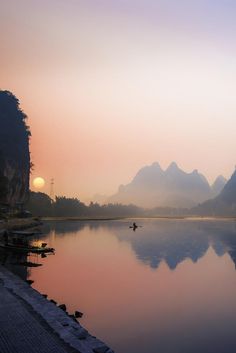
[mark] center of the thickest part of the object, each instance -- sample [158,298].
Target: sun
[38,183]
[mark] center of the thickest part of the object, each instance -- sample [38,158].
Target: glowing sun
[38,182]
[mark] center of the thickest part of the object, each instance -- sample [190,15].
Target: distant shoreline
[188,218]
[20,223]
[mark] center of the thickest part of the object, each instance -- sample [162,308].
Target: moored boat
[27,249]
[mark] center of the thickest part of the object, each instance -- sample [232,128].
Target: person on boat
[134,226]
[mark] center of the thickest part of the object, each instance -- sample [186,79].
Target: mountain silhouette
[228,194]
[222,205]
[154,187]
[218,185]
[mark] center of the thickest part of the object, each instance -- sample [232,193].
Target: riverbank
[187,218]
[58,219]
[32,324]
[19,223]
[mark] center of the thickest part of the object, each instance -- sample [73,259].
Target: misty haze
[117,176]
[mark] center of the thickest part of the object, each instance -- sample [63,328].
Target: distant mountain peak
[156,165]
[221,178]
[172,167]
[149,172]
[218,185]
[154,187]
[228,193]
[224,203]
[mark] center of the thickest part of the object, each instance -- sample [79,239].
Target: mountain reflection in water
[171,241]
[168,287]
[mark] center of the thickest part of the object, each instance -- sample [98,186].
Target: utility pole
[52,196]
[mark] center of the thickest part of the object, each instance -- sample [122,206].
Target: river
[167,287]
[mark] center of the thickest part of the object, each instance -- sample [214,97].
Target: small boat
[134,226]
[26,249]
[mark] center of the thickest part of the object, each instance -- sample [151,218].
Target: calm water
[168,287]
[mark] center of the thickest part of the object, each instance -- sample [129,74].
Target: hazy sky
[110,86]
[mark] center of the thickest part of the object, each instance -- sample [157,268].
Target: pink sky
[112,87]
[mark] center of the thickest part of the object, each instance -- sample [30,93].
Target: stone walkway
[20,331]
[29,323]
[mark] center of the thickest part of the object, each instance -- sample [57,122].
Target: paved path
[21,331]
[29,323]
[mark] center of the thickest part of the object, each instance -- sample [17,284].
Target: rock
[78,314]
[53,301]
[62,307]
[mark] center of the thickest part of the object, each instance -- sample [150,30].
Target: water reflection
[12,261]
[171,242]
[168,287]
[64,227]
[17,259]
[168,241]
[175,241]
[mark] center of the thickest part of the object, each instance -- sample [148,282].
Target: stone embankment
[32,324]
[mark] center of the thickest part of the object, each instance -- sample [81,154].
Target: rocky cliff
[14,151]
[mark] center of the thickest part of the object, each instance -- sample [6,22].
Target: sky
[113,85]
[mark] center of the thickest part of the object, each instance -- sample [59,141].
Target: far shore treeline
[42,205]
